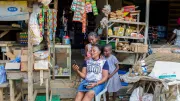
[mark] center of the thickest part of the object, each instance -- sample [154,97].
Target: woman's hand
[91,85]
[75,67]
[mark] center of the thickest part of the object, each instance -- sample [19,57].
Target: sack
[178,95]
[147,97]
[137,94]
[2,74]
[34,29]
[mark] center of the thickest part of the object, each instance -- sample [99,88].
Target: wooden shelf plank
[119,51]
[6,27]
[61,75]
[128,22]
[121,63]
[125,37]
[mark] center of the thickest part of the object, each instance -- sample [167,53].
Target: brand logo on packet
[12,9]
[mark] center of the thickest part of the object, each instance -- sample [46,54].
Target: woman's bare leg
[89,96]
[79,96]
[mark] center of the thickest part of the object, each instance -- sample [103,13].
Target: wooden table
[12,76]
[2,86]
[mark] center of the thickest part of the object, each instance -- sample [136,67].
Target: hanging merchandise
[2,74]
[45,2]
[73,5]
[94,7]
[84,23]
[106,10]
[41,21]
[77,16]
[88,7]
[104,22]
[36,37]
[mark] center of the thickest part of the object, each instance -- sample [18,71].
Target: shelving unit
[63,60]
[143,24]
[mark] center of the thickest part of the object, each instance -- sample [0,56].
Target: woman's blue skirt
[96,89]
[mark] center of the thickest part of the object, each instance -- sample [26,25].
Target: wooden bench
[2,86]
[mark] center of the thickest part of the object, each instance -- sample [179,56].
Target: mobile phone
[75,63]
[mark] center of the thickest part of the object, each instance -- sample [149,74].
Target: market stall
[30,60]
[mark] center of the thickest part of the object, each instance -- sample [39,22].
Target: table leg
[47,90]
[1,94]
[11,83]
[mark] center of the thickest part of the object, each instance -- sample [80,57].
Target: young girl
[93,39]
[114,80]
[94,73]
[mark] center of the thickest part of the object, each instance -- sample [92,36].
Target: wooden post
[47,89]
[12,95]
[1,94]
[30,67]
[147,21]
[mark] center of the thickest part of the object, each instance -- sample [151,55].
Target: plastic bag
[178,95]
[2,74]
[16,60]
[147,97]
[41,54]
[45,2]
[137,94]
[36,37]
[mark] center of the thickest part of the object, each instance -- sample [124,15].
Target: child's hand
[110,76]
[75,67]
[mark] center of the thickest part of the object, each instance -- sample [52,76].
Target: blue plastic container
[124,84]
[121,72]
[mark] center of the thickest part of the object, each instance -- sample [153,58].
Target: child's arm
[116,70]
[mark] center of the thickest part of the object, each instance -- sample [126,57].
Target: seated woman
[94,73]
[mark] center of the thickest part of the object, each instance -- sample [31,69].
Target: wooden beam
[30,68]
[147,21]
[1,94]
[12,94]
[35,94]
[56,4]
[4,33]
[47,89]
[18,97]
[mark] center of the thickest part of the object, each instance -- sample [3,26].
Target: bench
[2,86]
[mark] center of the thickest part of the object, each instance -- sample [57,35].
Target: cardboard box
[24,66]
[41,65]
[24,52]
[24,58]
[17,52]
[12,66]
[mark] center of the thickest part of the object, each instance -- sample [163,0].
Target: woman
[176,35]
[94,73]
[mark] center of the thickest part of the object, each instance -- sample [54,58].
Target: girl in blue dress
[94,73]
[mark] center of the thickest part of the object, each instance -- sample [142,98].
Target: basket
[139,48]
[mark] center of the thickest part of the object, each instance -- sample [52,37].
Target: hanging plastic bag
[34,29]
[45,2]
[2,74]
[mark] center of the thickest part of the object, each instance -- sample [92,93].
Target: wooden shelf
[121,63]
[61,75]
[125,37]
[127,22]
[6,27]
[119,51]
